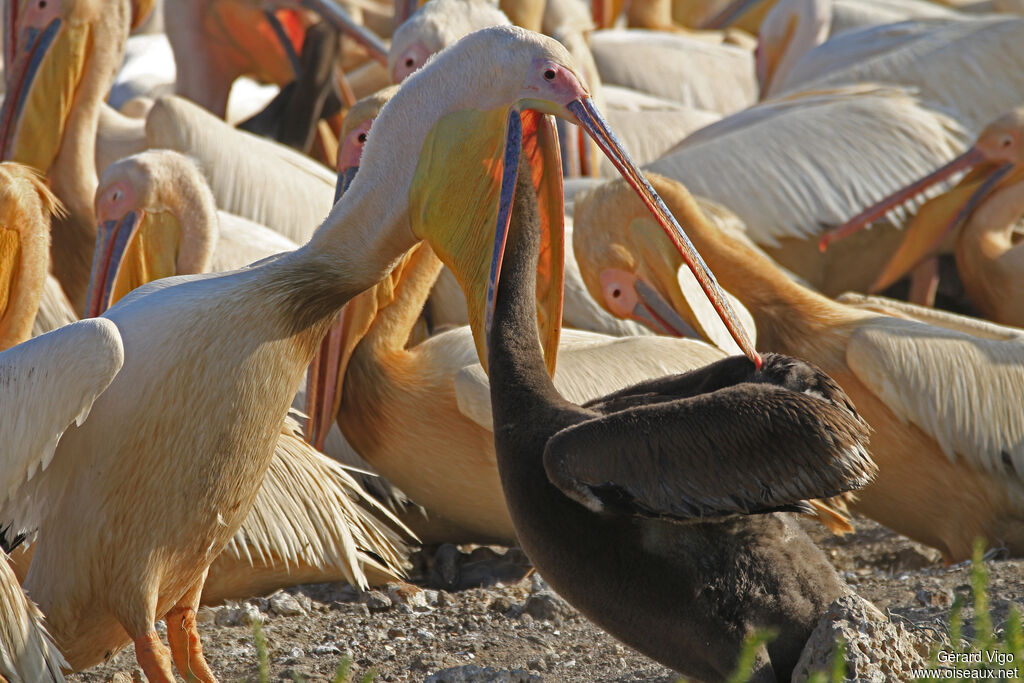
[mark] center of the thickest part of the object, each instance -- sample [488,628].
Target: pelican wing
[790,168]
[311,512]
[711,76]
[27,654]
[250,176]
[975,327]
[699,445]
[966,392]
[592,365]
[948,62]
[47,383]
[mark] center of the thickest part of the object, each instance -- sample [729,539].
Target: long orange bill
[924,236]
[333,14]
[590,119]
[112,239]
[966,160]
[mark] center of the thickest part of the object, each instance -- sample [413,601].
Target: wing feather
[738,449]
[310,511]
[948,62]
[964,391]
[789,168]
[46,383]
[27,654]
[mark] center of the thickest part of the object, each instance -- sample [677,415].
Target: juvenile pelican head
[25,209]
[157,218]
[994,162]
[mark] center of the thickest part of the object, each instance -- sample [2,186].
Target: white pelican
[828,155]
[159,206]
[942,401]
[980,217]
[251,333]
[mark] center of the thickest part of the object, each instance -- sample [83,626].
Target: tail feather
[27,654]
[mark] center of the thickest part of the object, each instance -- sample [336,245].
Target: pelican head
[433,27]
[995,161]
[468,115]
[354,132]
[156,219]
[632,268]
[59,52]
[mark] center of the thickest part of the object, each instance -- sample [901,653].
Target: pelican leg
[154,658]
[183,637]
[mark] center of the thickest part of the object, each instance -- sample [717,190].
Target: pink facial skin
[412,58]
[117,200]
[352,146]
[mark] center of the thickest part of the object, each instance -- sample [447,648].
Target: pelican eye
[362,137]
[42,4]
[1006,141]
[549,75]
[116,196]
[409,61]
[616,292]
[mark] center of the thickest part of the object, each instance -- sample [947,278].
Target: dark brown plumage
[638,507]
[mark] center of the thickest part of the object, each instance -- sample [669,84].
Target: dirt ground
[524,630]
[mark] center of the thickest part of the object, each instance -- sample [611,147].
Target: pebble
[546,606]
[376,601]
[934,598]
[326,649]
[230,614]
[206,615]
[285,605]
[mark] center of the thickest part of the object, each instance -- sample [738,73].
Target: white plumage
[951,63]
[48,383]
[820,158]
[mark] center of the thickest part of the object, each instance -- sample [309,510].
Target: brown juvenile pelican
[647,508]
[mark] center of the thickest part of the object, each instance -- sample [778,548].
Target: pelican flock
[589,278]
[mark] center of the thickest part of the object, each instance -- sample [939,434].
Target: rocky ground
[523,632]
